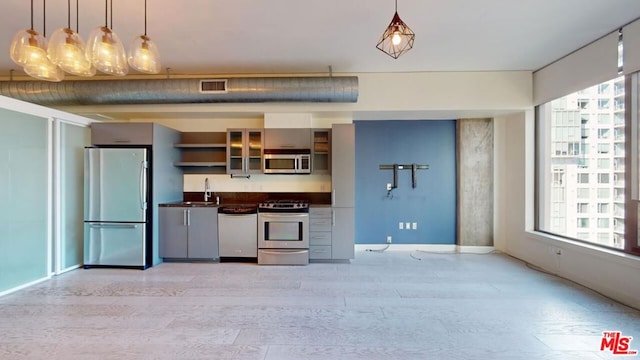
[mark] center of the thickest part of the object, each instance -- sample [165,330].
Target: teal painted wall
[23,199]
[432,204]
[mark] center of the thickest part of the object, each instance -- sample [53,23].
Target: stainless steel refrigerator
[117,220]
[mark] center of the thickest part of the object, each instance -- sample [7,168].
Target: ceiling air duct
[332,89]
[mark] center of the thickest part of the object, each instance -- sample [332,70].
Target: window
[604,119]
[604,164]
[603,178]
[558,175]
[603,148]
[583,178]
[603,223]
[603,208]
[583,222]
[603,133]
[583,208]
[603,104]
[568,128]
[582,193]
[604,193]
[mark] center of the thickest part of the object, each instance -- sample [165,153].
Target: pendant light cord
[44,18]
[111,14]
[145,17]
[31,14]
[69,14]
[77,16]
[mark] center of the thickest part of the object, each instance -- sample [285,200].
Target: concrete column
[474,138]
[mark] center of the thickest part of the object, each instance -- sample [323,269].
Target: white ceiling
[226,37]
[293,36]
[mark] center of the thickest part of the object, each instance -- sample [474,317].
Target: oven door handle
[281,251]
[287,215]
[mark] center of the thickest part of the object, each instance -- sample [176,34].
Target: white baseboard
[427,247]
[23,286]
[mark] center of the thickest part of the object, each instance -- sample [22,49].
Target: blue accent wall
[432,204]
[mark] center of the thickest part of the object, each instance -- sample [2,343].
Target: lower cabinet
[343,234]
[188,233]
[320,233]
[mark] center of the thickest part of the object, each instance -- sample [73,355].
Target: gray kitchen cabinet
[189,232]
[283,139]
[343,191]
[245,150]
[320,223]
[343,166]
[321,151]
[342,234]
[122,133]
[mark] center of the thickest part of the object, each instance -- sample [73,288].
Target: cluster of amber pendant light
[67,53]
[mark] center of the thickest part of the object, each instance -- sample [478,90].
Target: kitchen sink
[198,203]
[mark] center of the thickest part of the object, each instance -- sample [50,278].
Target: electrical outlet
[400,225]
[388,186]
[388,239]
[407,225]
[414,226]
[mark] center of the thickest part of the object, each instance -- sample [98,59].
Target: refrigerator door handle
[143,185]
[114,226]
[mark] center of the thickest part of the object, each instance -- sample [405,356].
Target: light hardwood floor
[386,305]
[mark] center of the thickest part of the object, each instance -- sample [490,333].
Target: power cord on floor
[378,250]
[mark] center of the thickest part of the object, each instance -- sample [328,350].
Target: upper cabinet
[343,166]
[283,139]
[203,152]
[321,151]
[245,149]
[121,133]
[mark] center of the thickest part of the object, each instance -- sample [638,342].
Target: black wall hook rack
[414,172]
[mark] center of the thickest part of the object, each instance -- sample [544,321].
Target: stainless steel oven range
[283,232]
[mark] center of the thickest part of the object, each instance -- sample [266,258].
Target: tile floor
[386,305]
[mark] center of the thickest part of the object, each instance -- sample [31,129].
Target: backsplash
[259,183]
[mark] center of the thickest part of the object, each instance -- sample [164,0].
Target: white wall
[608,272]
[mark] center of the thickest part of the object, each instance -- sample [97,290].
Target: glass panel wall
[72,140]
[24,194]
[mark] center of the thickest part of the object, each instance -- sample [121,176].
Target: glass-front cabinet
[245,151]
[321,154]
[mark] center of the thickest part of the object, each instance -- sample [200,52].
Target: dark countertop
[190,204]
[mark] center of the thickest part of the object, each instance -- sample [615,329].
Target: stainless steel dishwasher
[238,232]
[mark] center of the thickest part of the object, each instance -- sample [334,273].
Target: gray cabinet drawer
[320,238]
[122,133]
[319,252]
[319,224]
[320,212]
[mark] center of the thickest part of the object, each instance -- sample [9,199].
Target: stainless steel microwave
[292,161]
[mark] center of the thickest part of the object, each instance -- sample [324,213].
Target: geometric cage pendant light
[105,50]
[143,52]
[67,50]
[397,38]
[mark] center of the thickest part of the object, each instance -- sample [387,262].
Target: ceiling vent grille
[218,86]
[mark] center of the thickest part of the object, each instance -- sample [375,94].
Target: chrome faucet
[207,192]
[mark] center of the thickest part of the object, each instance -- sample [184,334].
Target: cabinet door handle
[184,217]
[188,217]
[333,218]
